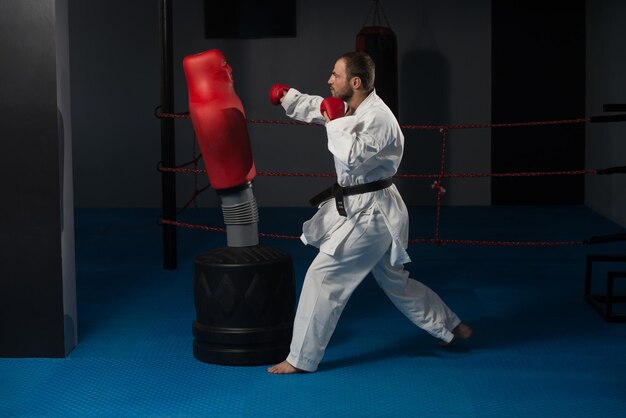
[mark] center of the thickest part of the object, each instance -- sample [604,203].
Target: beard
[345,94]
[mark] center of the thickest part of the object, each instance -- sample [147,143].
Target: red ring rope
[417,127]
[437,185]
[410,176]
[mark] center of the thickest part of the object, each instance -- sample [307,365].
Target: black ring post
[168,155]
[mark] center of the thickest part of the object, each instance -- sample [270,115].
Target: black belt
[339,192]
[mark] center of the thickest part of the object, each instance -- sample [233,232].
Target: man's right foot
[284,368]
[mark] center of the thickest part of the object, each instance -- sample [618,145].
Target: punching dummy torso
[219,120]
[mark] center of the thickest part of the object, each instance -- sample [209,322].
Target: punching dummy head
[219,120]
[206,73]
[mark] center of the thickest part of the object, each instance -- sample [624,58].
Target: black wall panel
[538,70]
[31,282]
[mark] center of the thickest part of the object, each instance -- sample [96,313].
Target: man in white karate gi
[362,223]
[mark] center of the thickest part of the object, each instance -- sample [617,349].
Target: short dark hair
[360,64]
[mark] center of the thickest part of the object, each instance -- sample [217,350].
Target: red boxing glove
[219,120]
[334,107]
[277,91]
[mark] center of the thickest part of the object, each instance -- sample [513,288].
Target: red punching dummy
[248,321]
[219,120]
[220,125]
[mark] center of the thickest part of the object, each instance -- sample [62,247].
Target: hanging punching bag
[381,44]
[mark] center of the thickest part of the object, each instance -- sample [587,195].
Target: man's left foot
[461,332]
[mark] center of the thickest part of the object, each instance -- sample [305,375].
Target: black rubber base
[244,300]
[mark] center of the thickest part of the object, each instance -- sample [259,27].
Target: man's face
[338,82]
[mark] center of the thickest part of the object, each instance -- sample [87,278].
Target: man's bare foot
[284,368]
[461,332]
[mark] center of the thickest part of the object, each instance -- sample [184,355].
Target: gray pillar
[37,266]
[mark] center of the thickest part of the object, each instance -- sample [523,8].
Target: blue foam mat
[538,349]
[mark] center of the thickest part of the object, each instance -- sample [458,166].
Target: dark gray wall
[606,143]
[115,87]
[444,60]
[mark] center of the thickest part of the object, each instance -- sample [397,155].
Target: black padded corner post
[37,269]
[168,134]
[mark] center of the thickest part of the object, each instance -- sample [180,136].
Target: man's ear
[356,82]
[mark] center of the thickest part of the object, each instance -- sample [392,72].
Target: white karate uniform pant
[330,281]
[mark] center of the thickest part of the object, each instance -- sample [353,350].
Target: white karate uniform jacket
[366,146]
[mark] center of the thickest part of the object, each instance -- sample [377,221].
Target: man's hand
[277,93]
[332,108]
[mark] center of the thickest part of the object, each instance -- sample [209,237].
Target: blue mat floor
[538,349]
